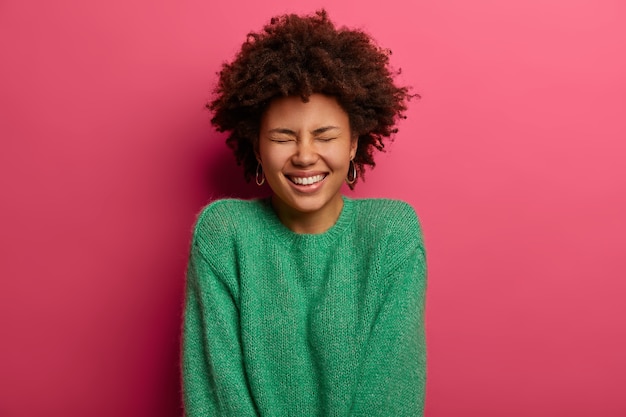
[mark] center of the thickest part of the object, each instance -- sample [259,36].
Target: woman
[307,303]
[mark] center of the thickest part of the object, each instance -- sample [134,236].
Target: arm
[393,376]
[214,381]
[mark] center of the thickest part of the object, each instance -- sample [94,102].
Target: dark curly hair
[299,56]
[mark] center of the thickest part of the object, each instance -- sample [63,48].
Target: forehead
[291,112]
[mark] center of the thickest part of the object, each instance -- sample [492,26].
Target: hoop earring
[259,173]
[353,180]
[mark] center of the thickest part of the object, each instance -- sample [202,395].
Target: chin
[308,207]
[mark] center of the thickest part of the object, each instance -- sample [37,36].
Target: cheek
[272,158]
[339,157]
[263,153]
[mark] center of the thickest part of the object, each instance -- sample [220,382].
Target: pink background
[514,159]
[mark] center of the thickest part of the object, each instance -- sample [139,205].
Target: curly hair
[299,56]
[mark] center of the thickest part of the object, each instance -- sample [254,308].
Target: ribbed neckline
[290,237]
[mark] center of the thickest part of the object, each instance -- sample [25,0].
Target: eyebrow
[290,132]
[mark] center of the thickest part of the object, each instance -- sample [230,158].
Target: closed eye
[325,139]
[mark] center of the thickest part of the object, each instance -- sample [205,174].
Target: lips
[308,180]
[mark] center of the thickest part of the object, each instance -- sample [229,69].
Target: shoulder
[218,221]
[393,228]
[388,207]
[387,216]
[226,210]
[227,206]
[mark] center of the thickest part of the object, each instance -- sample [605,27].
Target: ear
[354,144]
[257,154]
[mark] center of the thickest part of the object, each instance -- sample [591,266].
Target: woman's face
[305,150]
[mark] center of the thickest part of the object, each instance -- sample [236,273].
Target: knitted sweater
[284,324]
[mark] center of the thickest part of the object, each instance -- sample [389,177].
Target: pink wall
[514,159]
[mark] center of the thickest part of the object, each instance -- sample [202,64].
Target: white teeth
[307,180]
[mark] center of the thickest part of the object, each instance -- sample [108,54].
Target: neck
[314,222]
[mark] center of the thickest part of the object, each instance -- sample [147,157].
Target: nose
[306,153]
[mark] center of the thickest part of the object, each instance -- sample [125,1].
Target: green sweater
[284,324]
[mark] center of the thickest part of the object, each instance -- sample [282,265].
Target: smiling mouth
[307,180]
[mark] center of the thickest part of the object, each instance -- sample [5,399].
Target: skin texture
[304,140]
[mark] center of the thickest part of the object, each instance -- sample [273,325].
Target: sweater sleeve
[393,374]
[214,380]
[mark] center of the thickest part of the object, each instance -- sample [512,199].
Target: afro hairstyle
[298,56]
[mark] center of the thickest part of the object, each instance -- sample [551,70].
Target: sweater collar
[285,234]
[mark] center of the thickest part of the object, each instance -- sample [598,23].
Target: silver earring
[259,173]
[353,180]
